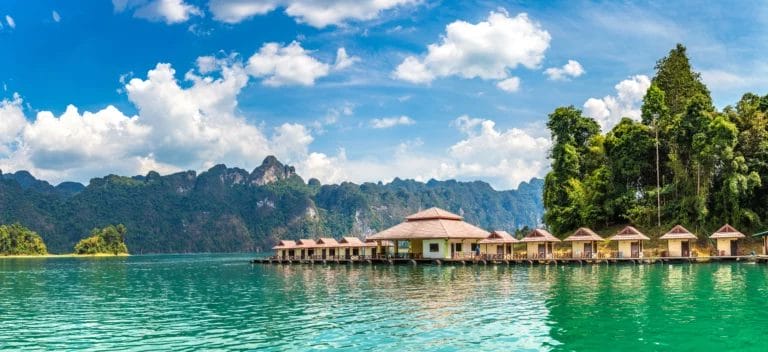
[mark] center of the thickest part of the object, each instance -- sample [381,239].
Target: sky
[344,90]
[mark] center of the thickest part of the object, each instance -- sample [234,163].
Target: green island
[684,162]
[17,241]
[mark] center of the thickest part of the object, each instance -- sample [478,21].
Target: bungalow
[306,248]
[328,247]
[541,244]
[630,242]
[583,243]
[498,245]
[434,233]
[285,249]
[727,238]
[764,235]
[678,241]
[351,247]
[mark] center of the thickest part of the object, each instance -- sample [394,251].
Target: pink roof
[285,244]
[327,242]
[727,231]
[433,213]
[678,233]
[306,243]
[583,234]
[499,237]
[540,235]
[432,223]
[629,233]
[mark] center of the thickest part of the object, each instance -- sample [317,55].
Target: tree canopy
[711,163]
[19,240]
[108,240]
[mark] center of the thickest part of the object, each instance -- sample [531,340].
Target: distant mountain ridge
[229,209]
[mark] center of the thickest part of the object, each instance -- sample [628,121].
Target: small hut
[498,245]
[583,243]
[727,239]
[764,235]
[371,248]
[630,242]
[328,247]
[352,247]
[540,244]
[285,249]
[678,241]
[306,248]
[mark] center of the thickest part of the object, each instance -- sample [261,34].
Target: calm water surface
[221,302]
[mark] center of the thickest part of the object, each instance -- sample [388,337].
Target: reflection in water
[221,302]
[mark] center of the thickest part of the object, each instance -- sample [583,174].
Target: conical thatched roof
[583,234]
[431,223]
[678,233]
[727,231]
[540,235]
[499,237]
[629,233]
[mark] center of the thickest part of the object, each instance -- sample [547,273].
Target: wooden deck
[516,261]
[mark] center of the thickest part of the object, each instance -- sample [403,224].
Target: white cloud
[343,60]
[286,65]
[511,84]
[56,16]
[10,21]
[168,11]
[609,110]
[177,127]
[488,50]
[570,70]
[504,158]
[388,122]
[318,14]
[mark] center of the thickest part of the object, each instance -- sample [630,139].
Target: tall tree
[677,79]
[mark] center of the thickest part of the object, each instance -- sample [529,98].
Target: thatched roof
[583,234]
[431,223]
[629,233]
[327,242]
[373,243]
[499,237]
[285,244]
[540,235]
[678,233]
[727,231]
[433,213]
[306,243]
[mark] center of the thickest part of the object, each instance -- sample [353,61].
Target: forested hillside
[230,209]
[713,164]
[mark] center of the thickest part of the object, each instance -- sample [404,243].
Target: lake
[222,302]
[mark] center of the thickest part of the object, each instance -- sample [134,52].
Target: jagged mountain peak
[271,170]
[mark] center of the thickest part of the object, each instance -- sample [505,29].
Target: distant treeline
[713,165]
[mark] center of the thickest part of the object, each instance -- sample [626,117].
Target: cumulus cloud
[609,110]
[10,21]
[56,17]
[177,127]
[572,69]
[168,11]
[318,14]
[388,122]
[488,50]
[503,157]
[289,65]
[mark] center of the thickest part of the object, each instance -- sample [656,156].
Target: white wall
[443,249]
[724,244]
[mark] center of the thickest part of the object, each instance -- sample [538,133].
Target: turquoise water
[221,302]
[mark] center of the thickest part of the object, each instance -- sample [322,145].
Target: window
[457,246]
[434,247]
[355,251]
[475,247]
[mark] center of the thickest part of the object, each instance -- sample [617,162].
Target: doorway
[734,248]
[587,250]
[635,249]
[685,249]
[542,250]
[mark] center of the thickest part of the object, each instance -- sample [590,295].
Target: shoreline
[69,255]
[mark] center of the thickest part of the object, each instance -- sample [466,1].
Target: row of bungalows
[438,234]
[326,248]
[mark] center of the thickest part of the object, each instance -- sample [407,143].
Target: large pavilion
[433,233]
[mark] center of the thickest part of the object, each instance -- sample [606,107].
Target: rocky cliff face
[229,209]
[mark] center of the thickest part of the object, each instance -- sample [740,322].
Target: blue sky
[421,89]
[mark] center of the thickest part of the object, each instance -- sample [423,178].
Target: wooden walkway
[480,261]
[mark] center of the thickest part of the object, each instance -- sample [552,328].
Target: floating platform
[517,261]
